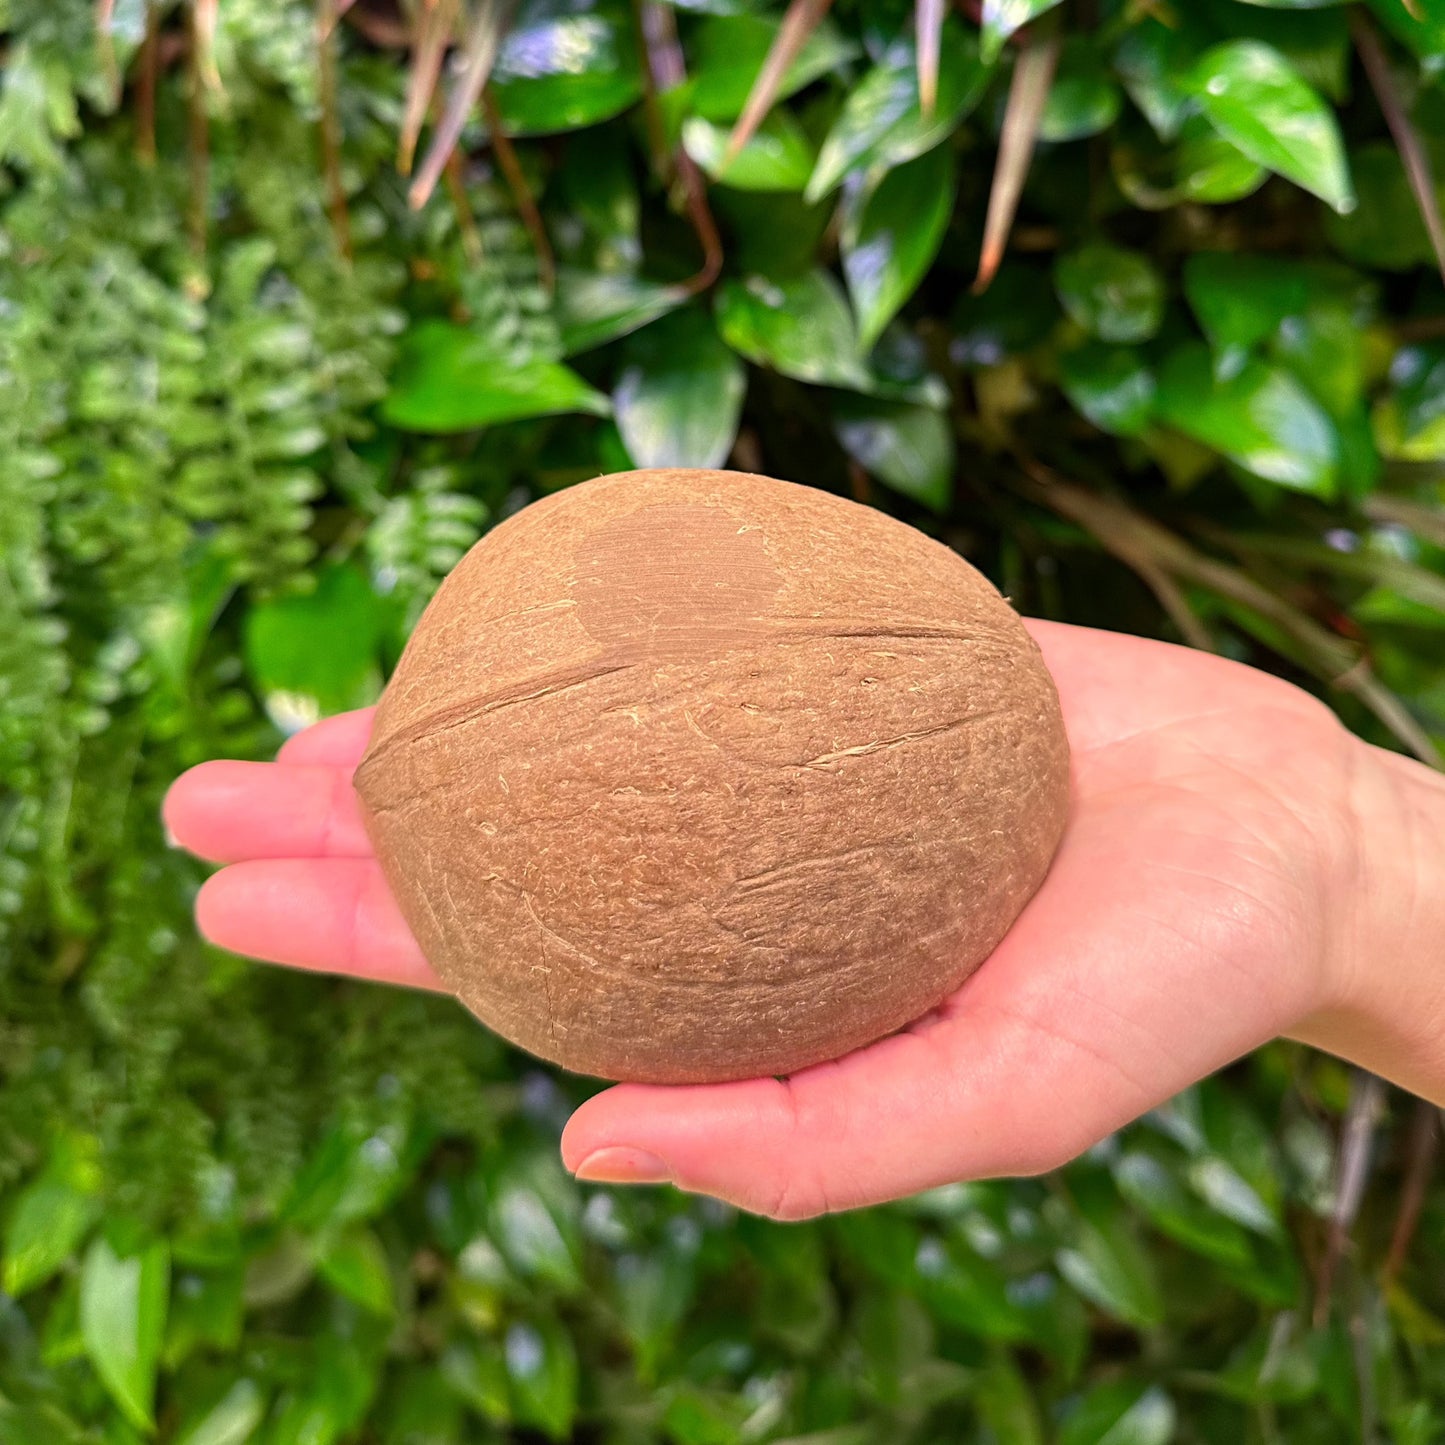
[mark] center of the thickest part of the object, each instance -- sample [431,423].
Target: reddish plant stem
[521,192]
[331,127]
[145,96]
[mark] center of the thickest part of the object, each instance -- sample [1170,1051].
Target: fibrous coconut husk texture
[689,776]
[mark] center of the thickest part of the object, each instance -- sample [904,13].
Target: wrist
[1383,1005]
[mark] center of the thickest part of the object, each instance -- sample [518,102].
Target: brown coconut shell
[690,776]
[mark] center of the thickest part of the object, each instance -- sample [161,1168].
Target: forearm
[1386,1010]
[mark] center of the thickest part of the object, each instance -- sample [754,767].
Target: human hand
[1216,887]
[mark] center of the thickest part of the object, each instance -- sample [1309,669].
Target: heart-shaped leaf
[1259,102]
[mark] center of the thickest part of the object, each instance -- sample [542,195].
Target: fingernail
[622,1164]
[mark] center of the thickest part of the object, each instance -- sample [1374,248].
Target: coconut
[688,776]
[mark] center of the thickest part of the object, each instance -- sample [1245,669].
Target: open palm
[1188,917]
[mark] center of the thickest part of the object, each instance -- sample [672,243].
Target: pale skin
[1237,867]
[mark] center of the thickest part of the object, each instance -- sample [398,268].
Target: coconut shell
[689,776]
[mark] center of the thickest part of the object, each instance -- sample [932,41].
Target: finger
[333,915]
[334,741]
[1093,1010]
[229,811]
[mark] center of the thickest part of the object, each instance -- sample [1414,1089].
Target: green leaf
[1256,99]
[206,1309]
[1014,315]
[1155,1188]
[725,54]
[1001,18]
[1153,60]
[478,1375]
[1111,385]
[1262,418]
[1114,294]
[123,1319]
[777,157]
[881,124]
[889,244]
[542,1368]
[593,307]
[48,1222]
[1385,229]
[232,1421]
[800,327]
[910,448]
[355,1264]
[1005,1402]
[534,1222]
[321,647]
[679,394]
[562,67]
[654,1291]
[1083,99]
[1222,1187]
[1110,1267]
[450,378]
[1211,169]
[1241,300]
[1421,27]
[1120,1414]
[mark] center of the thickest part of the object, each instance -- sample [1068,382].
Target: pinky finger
[332,915]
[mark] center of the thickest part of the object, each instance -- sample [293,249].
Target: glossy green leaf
[1258,102]
[317,653]
[881,124]
[562,67]
[1109,1266]
[48,1221]
[725,54]
[123,1301]
[355,1264]
[1121,1414]
[1222,1187]
[679,394]
[449,379]
[1241,300]
[231,1421]
[1209,168]
[1153,61]
[890,241]
[1261,418]
[533,1222]
[543,1372]
[1111,385]
[594,307]
[801,328]
[1114,294]
[1083,99]
[1002,18]
[1323,347]
[777,157]
[910,448]
[1155,1188]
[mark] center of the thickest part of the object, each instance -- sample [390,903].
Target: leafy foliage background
[254,407]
